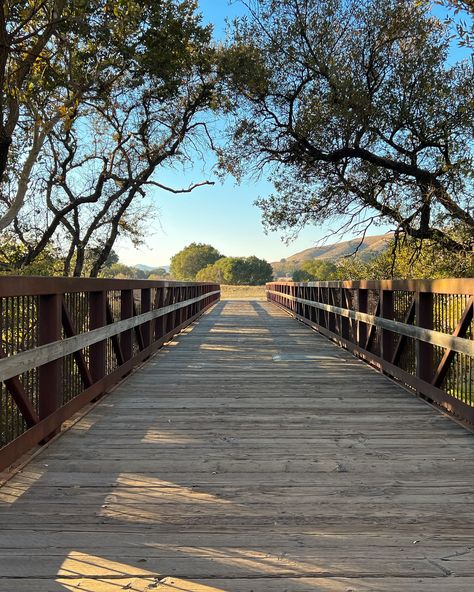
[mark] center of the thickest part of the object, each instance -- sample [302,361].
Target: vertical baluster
[386,311]
[363,302]
[97,319]
[49,375]
[424,351]
[126,311]
[145,307]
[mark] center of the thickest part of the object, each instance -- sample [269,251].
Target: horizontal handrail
[440,286]
[457,344]
[41,285]
[417,331]
[23,361]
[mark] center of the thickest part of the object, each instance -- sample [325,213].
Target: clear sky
[222,215]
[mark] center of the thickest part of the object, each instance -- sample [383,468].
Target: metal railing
[417,331]
[65,341]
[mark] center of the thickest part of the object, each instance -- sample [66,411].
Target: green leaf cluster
[186,264]
[237,271]
[316,269]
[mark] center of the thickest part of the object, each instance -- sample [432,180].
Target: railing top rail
[39,285]
[441,286]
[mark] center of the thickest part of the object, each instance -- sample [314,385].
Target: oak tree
[186,264]
[129,94]
[357,114]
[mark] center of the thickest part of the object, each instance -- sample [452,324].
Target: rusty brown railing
[417,331]
[65,341]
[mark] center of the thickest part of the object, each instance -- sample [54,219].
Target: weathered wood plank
[249,455]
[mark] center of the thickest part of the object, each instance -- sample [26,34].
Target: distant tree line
[204,263]
[399,260]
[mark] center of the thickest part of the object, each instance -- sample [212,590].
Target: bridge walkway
[249,455]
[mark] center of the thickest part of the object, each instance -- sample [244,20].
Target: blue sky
[222,215]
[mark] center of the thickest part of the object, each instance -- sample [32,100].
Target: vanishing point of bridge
[250,453]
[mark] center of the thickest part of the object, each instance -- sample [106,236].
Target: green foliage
[187,263]
[159,273]
[118,270]
[409,260]
[122,271]
[357,114]
[285,268]
[139,77]
[316,270]
[300,275]
[49,262]
[238,271]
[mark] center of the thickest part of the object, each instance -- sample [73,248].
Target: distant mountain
[370,247]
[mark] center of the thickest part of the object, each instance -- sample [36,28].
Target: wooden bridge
[250,453]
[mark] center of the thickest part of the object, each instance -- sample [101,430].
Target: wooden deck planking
[249,455]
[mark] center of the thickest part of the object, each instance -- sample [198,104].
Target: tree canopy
[115,92]
[408,259]
[240,271]
[357,113]
[316,270]
[186,264]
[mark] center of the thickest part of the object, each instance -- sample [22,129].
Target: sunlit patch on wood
[84,565]
[219,347]
[126,503]
[178,585]
[165,437]
[105,584]
[16,488]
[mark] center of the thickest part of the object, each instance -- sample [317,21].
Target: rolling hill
[371,246]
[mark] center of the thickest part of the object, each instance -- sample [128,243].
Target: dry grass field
[245,292]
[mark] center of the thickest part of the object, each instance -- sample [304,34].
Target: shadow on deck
[250,454]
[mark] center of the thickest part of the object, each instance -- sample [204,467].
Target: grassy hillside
[371,247]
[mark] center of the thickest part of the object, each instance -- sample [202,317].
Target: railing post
[346,302]
[171,316]
[386,311]
[321,314]
[424,351]
[97,319]
[332,325]
[180,311]
[160,321]
[145,307]
[126,311]
[363,304]
[49,375]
